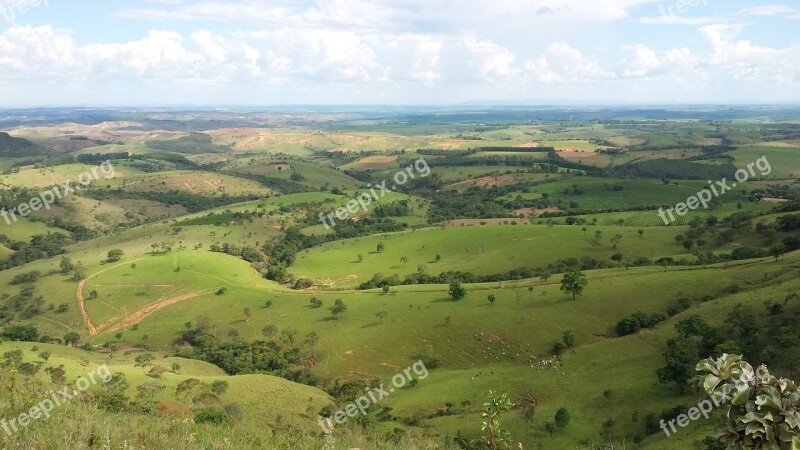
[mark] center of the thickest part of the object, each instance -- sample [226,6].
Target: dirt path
[82,303]
[143,313]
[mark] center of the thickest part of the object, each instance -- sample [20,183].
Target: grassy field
[478,250]
[143,302]
[784,160]
[603,193]
[652,218]
[265,400]
[501,346]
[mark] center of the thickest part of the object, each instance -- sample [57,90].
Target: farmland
[204,260]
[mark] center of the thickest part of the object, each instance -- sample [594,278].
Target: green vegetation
[531,265]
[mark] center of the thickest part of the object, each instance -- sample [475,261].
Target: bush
[21,333]
[303,283]
[27,277]
[111,401]
[212,415]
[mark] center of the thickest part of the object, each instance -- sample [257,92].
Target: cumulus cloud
[768,10]
[411,47]
[562,63]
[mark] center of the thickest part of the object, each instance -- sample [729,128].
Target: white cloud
[358,50]
[768,10]
[676,20]
[564,64]
[744,61]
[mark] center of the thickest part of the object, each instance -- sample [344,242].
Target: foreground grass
[83,426]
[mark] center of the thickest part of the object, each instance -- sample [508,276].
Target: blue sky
[265,52]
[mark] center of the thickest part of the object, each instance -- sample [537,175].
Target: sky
[396,52]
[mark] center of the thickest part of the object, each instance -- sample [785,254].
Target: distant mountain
[18,147]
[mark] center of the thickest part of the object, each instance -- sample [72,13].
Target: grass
[266,401]
[785,161]
[652,219]
[500,346]
[478,250]
[598,193]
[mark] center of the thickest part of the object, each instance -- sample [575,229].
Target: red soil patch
[575,153]
[493,180]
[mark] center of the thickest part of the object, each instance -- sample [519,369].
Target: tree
[72,338]
[66,264]
[404,260]
[25,333]
[288,335]
[615,241]
[219,387]
[79,272]
[574,282]
[45,355]
[457,292]
[114,255]
[268,304]
[315,302]
[491,299]
[381,247]
[494,435]
[681,356]
[777,250]
[311,341]
[247,314]
[338,308]
[269,331]
[386,289]
[381,315]
[143,360]
[569,338]
[562,418]
[641,232]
